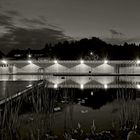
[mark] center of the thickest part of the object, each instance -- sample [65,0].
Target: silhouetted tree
[75,50]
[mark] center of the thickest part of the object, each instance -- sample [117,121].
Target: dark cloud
[12,13]
[41,21]
[33,21]
[56,27]
[115,32]
[6,21]
[27,34]
[30,38]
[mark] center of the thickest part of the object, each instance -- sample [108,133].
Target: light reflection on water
[76,79]
[106,106]
[11,84]
[8,88]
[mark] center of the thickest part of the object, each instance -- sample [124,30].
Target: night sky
[32,23]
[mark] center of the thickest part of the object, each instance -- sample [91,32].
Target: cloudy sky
[32,23]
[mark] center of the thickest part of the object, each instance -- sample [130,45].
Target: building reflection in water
[61,109]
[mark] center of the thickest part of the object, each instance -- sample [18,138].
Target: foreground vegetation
[30,117]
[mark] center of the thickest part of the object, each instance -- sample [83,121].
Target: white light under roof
[55,61]
[55,86]
[105,61]
[82,86]
[82,61]
[138,61]
[138,86]
[29,61]
[105,86]
[4,61]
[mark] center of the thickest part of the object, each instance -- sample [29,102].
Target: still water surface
[108,108]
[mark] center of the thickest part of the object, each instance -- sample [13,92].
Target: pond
[67,106]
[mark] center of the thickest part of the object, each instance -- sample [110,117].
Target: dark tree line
[88,49]
[92,49]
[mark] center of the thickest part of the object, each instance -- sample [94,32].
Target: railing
[26,91]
